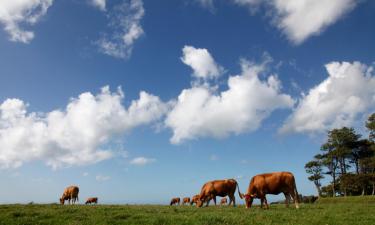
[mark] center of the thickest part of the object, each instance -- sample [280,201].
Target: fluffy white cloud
[141,161]
[348,92]
[302,19]
[74,136]
[200,111]
[299,19]
[102,178]
[125,20]
[16,12]
[201,61]
[100,4]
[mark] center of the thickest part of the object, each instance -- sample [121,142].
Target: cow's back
[273,183]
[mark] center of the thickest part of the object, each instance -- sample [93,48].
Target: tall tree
[370,124]
[314,168]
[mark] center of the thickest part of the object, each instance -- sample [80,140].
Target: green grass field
[350,210]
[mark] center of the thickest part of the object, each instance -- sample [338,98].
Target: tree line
[348,160]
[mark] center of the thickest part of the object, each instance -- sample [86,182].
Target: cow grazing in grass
[175,201]
[272,183]
[92,200]
[70,194]
[223,201]
[194,199]
[220,188]
[185,200]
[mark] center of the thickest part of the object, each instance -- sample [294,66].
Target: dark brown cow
[70,193]
[92,200]
[220,188]
[185,200]
[272,183]
[223,201]
[175,201]
[194,199]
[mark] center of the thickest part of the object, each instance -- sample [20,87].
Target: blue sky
[140,101]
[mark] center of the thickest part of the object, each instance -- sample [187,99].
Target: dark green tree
[315,168]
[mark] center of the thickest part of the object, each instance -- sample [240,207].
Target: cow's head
[200,201]
[249,200]
[62,201]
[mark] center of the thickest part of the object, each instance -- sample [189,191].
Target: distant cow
[92,200]
[185,200]
[70,193]
[175,201]
[220,188]
[223,201]
[194,199]
[272,183]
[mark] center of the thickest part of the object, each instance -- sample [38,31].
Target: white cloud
[13,13]
[102,178]
[141,161]
[74,136]
[299,19]
[302,19]
[100,4]
[201,61]
[85,174]
[348,92]
[125,20]
[200,111]
[206,3]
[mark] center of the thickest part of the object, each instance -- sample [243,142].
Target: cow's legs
[234,200]
[214,198]
[208,199]
[287,199]
[295,199]
[265,201]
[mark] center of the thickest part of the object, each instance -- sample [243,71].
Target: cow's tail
[239,192]
[296,198]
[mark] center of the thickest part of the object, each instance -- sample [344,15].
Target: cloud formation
[298,19]
[74,136]
[100,4]
[202,111]
[201,61]
[141,161]
[14,13]
[125,22]
[348,92]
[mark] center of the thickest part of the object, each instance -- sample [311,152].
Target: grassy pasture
[350,210]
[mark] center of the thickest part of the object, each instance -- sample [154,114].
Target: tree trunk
[318,189]
[373,188]
[334,185]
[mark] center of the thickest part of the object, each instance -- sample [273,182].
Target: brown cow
[91,200]
[175,201]
[70,193]
[185,200]
[194,199]
[223,201]
[272,183]
[220,188]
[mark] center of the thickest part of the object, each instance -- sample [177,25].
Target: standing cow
[194,199]
[175,201]
[220,188]
[223,201]
[272,183]
[70,194]
[91,200]
[185,201]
